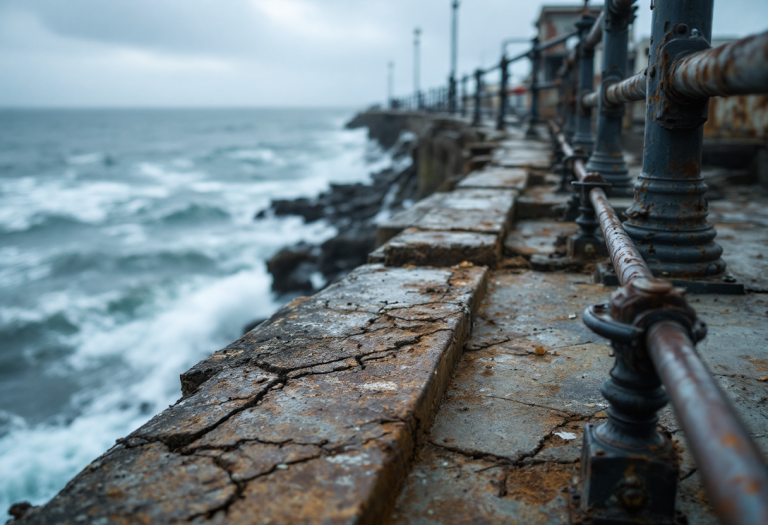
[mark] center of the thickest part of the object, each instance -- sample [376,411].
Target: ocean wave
[28,202]
[44,221]
[163,262]
[257,155]
[151,352]
[90,158]
[195,212]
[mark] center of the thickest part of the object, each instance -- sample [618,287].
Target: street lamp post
[454,54]
[390,84]
[416,65]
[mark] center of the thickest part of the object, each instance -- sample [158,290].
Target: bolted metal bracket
[673,112]
[630,470]
[586,244]
[726,284]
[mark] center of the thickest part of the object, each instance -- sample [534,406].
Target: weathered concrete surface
[480,211]
[496,178]
[442,248]
[538,237]
[523,154]
[407,218]
[474,209]
[507,438]
[741,220]
[541,201]
[312,417]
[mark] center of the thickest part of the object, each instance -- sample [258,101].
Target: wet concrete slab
[537,237]
[509,427]
[522,158]
[496,178]
[541,201]
[528,382]
[471,210]
[407,218]
[441,248]
[745,251]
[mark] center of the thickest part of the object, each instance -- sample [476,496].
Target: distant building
[556,20]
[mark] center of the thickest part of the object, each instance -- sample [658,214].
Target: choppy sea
[128,252]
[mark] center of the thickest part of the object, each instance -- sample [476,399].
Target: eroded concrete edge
[180,466]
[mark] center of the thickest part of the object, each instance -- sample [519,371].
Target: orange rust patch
[539,484]
[761,365]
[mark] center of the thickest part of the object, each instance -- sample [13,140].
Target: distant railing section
[629,469]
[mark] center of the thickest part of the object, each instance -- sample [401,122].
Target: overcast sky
[260,52]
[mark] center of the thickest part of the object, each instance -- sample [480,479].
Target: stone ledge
[312,417]
[407,218]
[479,211]
[443,248]
[495,178]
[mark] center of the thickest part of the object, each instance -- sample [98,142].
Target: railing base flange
[724,284]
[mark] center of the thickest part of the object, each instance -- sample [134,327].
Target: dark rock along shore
[352,209]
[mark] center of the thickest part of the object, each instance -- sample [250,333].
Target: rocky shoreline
[353,209]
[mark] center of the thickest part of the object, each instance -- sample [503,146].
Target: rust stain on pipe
[736,68]
[735,476]
[628,90]
[627,261]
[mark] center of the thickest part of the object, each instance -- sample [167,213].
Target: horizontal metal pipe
[578,166]
[627,261]
[491,69]
[736,68]
[734,473]
[590,100]
[515,58]
[595,34]
[554,41]
[628,90]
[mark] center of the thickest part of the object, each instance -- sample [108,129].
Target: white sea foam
[26,201]
[86,158]
[154,350]
[123,360]
[265,155]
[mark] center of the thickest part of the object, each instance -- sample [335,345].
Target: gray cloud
[258,52]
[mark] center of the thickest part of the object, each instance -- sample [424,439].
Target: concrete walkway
[506,441]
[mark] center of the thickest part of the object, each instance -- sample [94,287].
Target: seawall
[447,380]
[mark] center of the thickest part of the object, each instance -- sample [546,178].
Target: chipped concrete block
[312,416]
[522,158]
[541,201]
[441,248]
[496,178]
[479,211]
[141,484]
[407,218]
[540,237]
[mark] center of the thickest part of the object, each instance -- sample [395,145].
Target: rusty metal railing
[630,469]
[653,331]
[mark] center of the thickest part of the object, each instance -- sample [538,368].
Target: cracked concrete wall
[313,416]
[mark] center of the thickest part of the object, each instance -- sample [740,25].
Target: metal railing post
[535,66]
[464,81]
[607,158]
[569,121]
[452,95]
[501,123]
[586,63]
[668,219]
[477,116]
